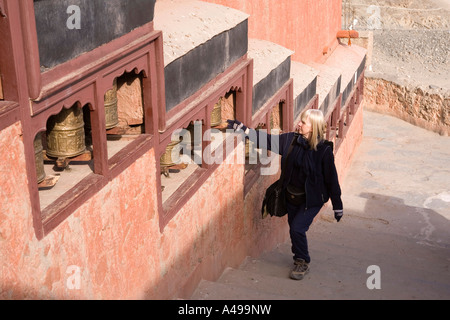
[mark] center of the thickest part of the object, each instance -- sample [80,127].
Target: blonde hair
[317,126]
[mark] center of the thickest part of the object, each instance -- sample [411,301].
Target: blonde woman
[311,178]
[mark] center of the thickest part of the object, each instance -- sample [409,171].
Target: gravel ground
[411,38]
[421,56]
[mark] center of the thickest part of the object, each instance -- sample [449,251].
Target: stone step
[342,255]
[407,270]
[280,285]
[214,290]
[339,270]
[324,280]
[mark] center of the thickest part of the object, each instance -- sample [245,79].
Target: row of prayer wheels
[66,132]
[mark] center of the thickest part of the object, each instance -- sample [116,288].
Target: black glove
[237,126]
[338,214]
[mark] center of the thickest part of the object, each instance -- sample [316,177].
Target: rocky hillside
[410,37]
[409,72]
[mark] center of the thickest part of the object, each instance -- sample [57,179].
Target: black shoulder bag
[274,202]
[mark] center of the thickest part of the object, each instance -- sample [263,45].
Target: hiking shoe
[300,269]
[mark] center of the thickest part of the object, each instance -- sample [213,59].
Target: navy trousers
[299,221]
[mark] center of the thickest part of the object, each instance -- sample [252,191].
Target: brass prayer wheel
[216,115]
[65,133]
[39,158]
[249,146]
[111,112]
[172,154]
[111,115]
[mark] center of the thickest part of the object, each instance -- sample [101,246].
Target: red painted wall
[112,246]
[304,26]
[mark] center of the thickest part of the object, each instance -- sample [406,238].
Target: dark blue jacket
[315,170]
